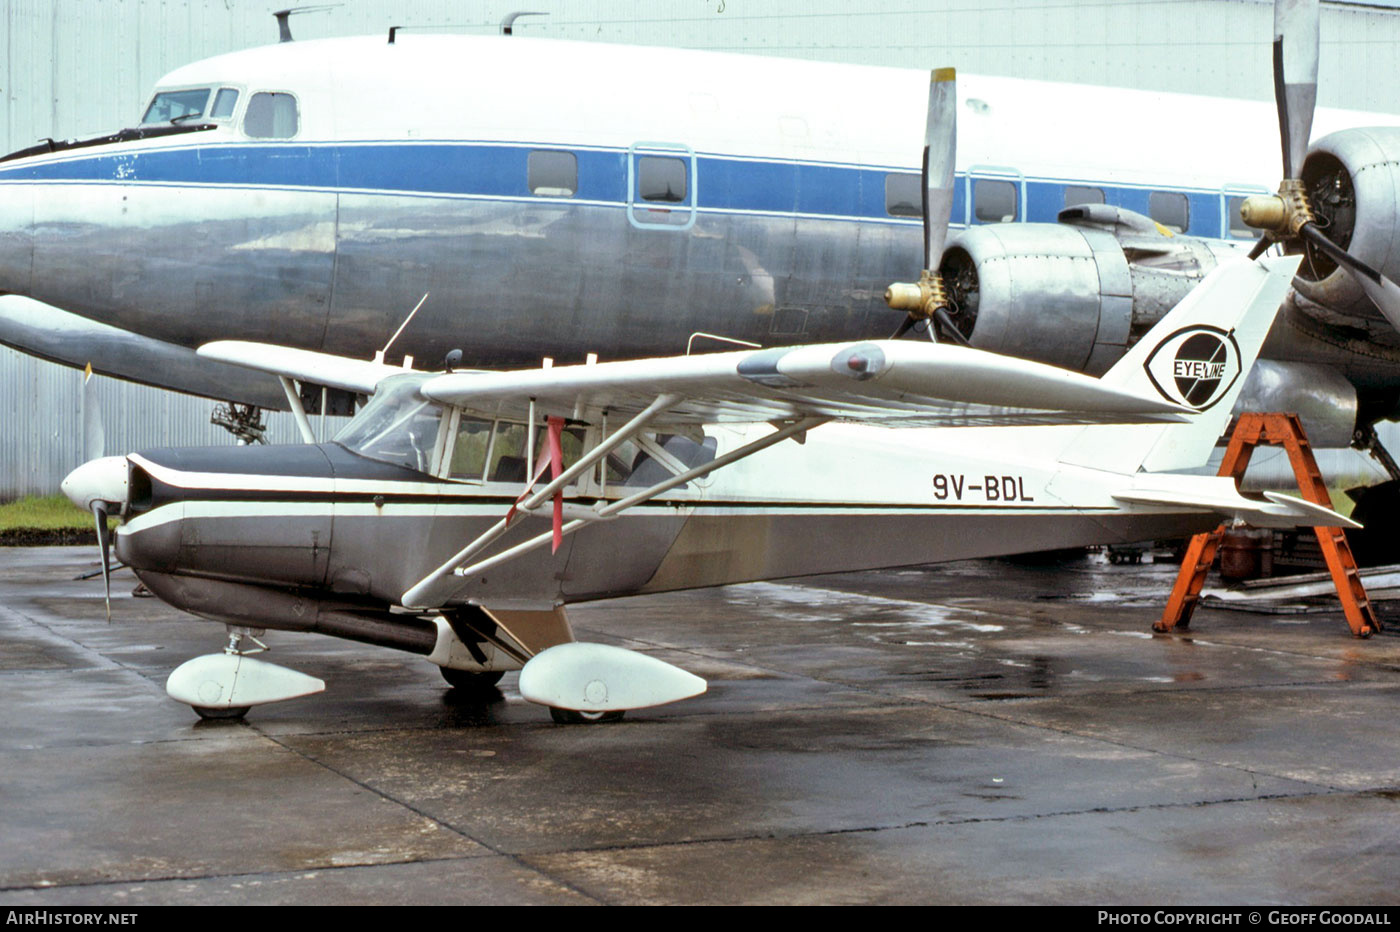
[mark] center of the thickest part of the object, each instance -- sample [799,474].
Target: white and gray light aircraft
[459,513]
[554,203]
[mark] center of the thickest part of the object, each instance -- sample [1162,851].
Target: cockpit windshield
[170,106]
[397,426]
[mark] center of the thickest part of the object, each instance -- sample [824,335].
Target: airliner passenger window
[1238,228]
[904,196]
[1169,209]
[552,174]
[271,116]
[1075,195]
[176,106]
[224,102]
[661,179]
[993,201]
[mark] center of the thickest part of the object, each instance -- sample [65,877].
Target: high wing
[351,375]
[889,383]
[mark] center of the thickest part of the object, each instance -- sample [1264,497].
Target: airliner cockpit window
[271,116]
[176,106]
[224,102]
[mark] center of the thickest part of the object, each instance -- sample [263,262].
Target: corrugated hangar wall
[75,67]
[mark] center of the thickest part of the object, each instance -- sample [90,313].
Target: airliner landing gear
[243,421]
[1377,507]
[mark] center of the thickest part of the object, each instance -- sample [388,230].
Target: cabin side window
[552,173]
[993,201]
[1170,209]
[1076,195]
[271,116]
[904,196]
[662,179]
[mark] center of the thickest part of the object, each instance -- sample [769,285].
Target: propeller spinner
[1287,217]
[928,299]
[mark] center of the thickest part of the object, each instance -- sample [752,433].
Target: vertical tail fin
[1197,355]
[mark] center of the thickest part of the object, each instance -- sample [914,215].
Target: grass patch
[53,511]
[52,519]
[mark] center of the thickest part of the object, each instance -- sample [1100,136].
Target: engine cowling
[1080,292]
[1353,182]
[1075,293]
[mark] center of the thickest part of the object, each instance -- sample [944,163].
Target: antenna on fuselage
[508,22]
[408,360]
[284,27]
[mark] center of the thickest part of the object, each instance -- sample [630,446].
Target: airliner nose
[16,235]
[100,480]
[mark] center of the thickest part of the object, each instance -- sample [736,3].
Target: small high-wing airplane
[458,513]
[306,193]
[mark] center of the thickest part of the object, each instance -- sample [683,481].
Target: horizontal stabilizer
[351,375]
[1276,510]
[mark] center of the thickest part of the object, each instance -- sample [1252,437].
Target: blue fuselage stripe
[722,183]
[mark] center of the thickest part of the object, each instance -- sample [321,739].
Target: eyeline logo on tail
[1195,366]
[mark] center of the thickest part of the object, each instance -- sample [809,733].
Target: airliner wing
[891,383]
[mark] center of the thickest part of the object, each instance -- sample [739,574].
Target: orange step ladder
[1286,431]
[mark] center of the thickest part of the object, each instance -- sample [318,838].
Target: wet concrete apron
[982,732]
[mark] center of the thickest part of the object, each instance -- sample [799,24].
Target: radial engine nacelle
[1080,292]
[1353,182]
[1075,293]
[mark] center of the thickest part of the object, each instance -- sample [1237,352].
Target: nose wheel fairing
[227,685]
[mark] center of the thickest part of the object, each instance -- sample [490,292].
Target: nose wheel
[572,717]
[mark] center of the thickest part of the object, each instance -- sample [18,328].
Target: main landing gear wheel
[469,681]
[221,715]
[1376,544]
[572,717]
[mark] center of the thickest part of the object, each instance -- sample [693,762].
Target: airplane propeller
[94,437]
[928,300]
[100,483]
[104,540]
[1287,217]
[94,442]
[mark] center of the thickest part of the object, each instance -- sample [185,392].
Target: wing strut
[438,586]
[603,513]
[435,588]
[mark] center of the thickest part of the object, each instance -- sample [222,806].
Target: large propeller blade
[928,300]
[1287,216]
[1295,77]
[94,442]
[94,437]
